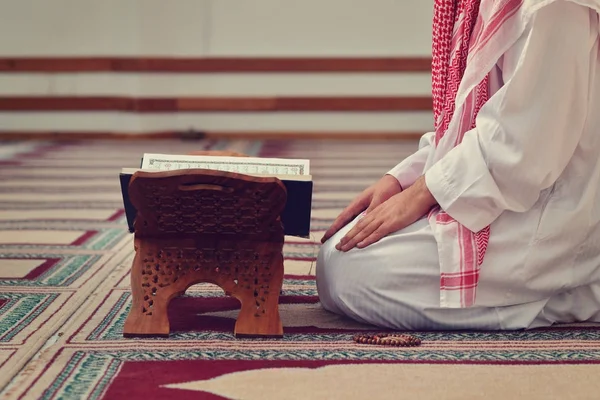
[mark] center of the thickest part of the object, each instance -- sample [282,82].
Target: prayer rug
[65,256]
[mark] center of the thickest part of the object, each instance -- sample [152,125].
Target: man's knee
[337,281]
[324,276]
[329,284]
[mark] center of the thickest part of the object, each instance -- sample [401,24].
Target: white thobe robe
[530,170]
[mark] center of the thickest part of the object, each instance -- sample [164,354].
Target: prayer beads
[385,339]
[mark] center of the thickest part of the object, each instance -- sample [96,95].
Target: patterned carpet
[65,255]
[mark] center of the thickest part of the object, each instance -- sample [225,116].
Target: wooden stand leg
[148,315]
[259,313]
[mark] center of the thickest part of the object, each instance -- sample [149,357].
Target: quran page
[242,165]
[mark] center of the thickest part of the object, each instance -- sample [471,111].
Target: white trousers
[395,284]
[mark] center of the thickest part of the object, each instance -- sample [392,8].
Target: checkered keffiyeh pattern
[458,31]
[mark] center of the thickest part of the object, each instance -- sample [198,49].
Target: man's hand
[398,212]
[370,198]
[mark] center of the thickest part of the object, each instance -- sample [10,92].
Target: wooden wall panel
[208,104]
[211,65]
[232,135]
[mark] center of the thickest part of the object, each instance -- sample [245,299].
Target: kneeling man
[494,223]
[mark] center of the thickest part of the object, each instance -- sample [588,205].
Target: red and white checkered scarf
[469,36]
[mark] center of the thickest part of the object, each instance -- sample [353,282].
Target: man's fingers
[359,234]
[338,224]
[344,218]
[359,226]
[373,237]
[376,202]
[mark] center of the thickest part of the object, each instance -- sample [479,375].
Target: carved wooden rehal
[196,226]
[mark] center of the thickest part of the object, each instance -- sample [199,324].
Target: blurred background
[225,68]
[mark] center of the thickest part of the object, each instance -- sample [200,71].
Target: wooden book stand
[196,226]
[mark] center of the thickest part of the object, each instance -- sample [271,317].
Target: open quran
[221,220]
[293,173]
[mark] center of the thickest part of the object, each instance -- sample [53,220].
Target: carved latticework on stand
[197,226]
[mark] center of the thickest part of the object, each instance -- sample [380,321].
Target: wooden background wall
[228,67]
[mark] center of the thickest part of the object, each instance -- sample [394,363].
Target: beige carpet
[65,255]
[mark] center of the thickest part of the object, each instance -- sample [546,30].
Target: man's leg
[581,304]
[393,283]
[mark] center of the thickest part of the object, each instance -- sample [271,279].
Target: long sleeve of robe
[527,132]
[412,167]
